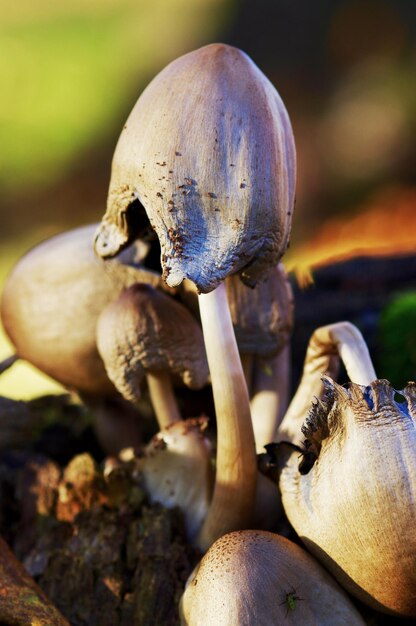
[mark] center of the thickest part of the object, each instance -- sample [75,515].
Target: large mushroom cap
[258,578]
[354,508]
[209,151]
[53,297]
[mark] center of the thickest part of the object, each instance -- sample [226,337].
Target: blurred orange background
[71,72]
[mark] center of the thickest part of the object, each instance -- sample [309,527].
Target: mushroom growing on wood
[50,305]
[213,164]
[145,333]
[177,471]
[351,499]
[259,579]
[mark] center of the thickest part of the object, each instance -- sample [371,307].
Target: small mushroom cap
[364,530]
[257,578]
[177,471]
[145,330]
[209,151]
[262,317]
[53,297]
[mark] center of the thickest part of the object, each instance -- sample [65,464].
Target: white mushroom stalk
[326,346]
[235,482]
[270,396]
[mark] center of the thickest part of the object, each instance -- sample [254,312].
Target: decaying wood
[22,602]
[97,548]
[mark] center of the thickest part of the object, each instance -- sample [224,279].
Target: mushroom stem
[270,397]
[163,398]
[326,346]
[8,362]
[235,483]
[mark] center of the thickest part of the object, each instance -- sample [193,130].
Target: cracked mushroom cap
[209,152]
[145,330]
[257,578]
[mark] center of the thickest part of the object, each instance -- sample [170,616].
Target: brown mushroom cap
[145,330]
[209,151]
[257,578]
[52,300]
[262,317]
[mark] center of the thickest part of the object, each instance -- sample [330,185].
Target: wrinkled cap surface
[363,440]
[208,151]
[145,330]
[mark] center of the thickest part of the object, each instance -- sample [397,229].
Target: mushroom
[145,333]
[257,579]
[351,498]
[263,321]
[214,167]
[208,150]
[50,305]
[177,471]
[326,346]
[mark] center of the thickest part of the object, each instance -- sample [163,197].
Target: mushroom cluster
[205,169]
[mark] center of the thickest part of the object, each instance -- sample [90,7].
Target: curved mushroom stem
[163,398]
[326,346]
[270,397]
[235,482]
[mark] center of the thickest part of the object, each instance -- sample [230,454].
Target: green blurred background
[71,71]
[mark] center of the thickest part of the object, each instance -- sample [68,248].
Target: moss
[397,338]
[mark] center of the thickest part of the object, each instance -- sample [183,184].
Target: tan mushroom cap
[52,300]
[262,317]
[257,578]
[145,330]
[354,508]
[209,151]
